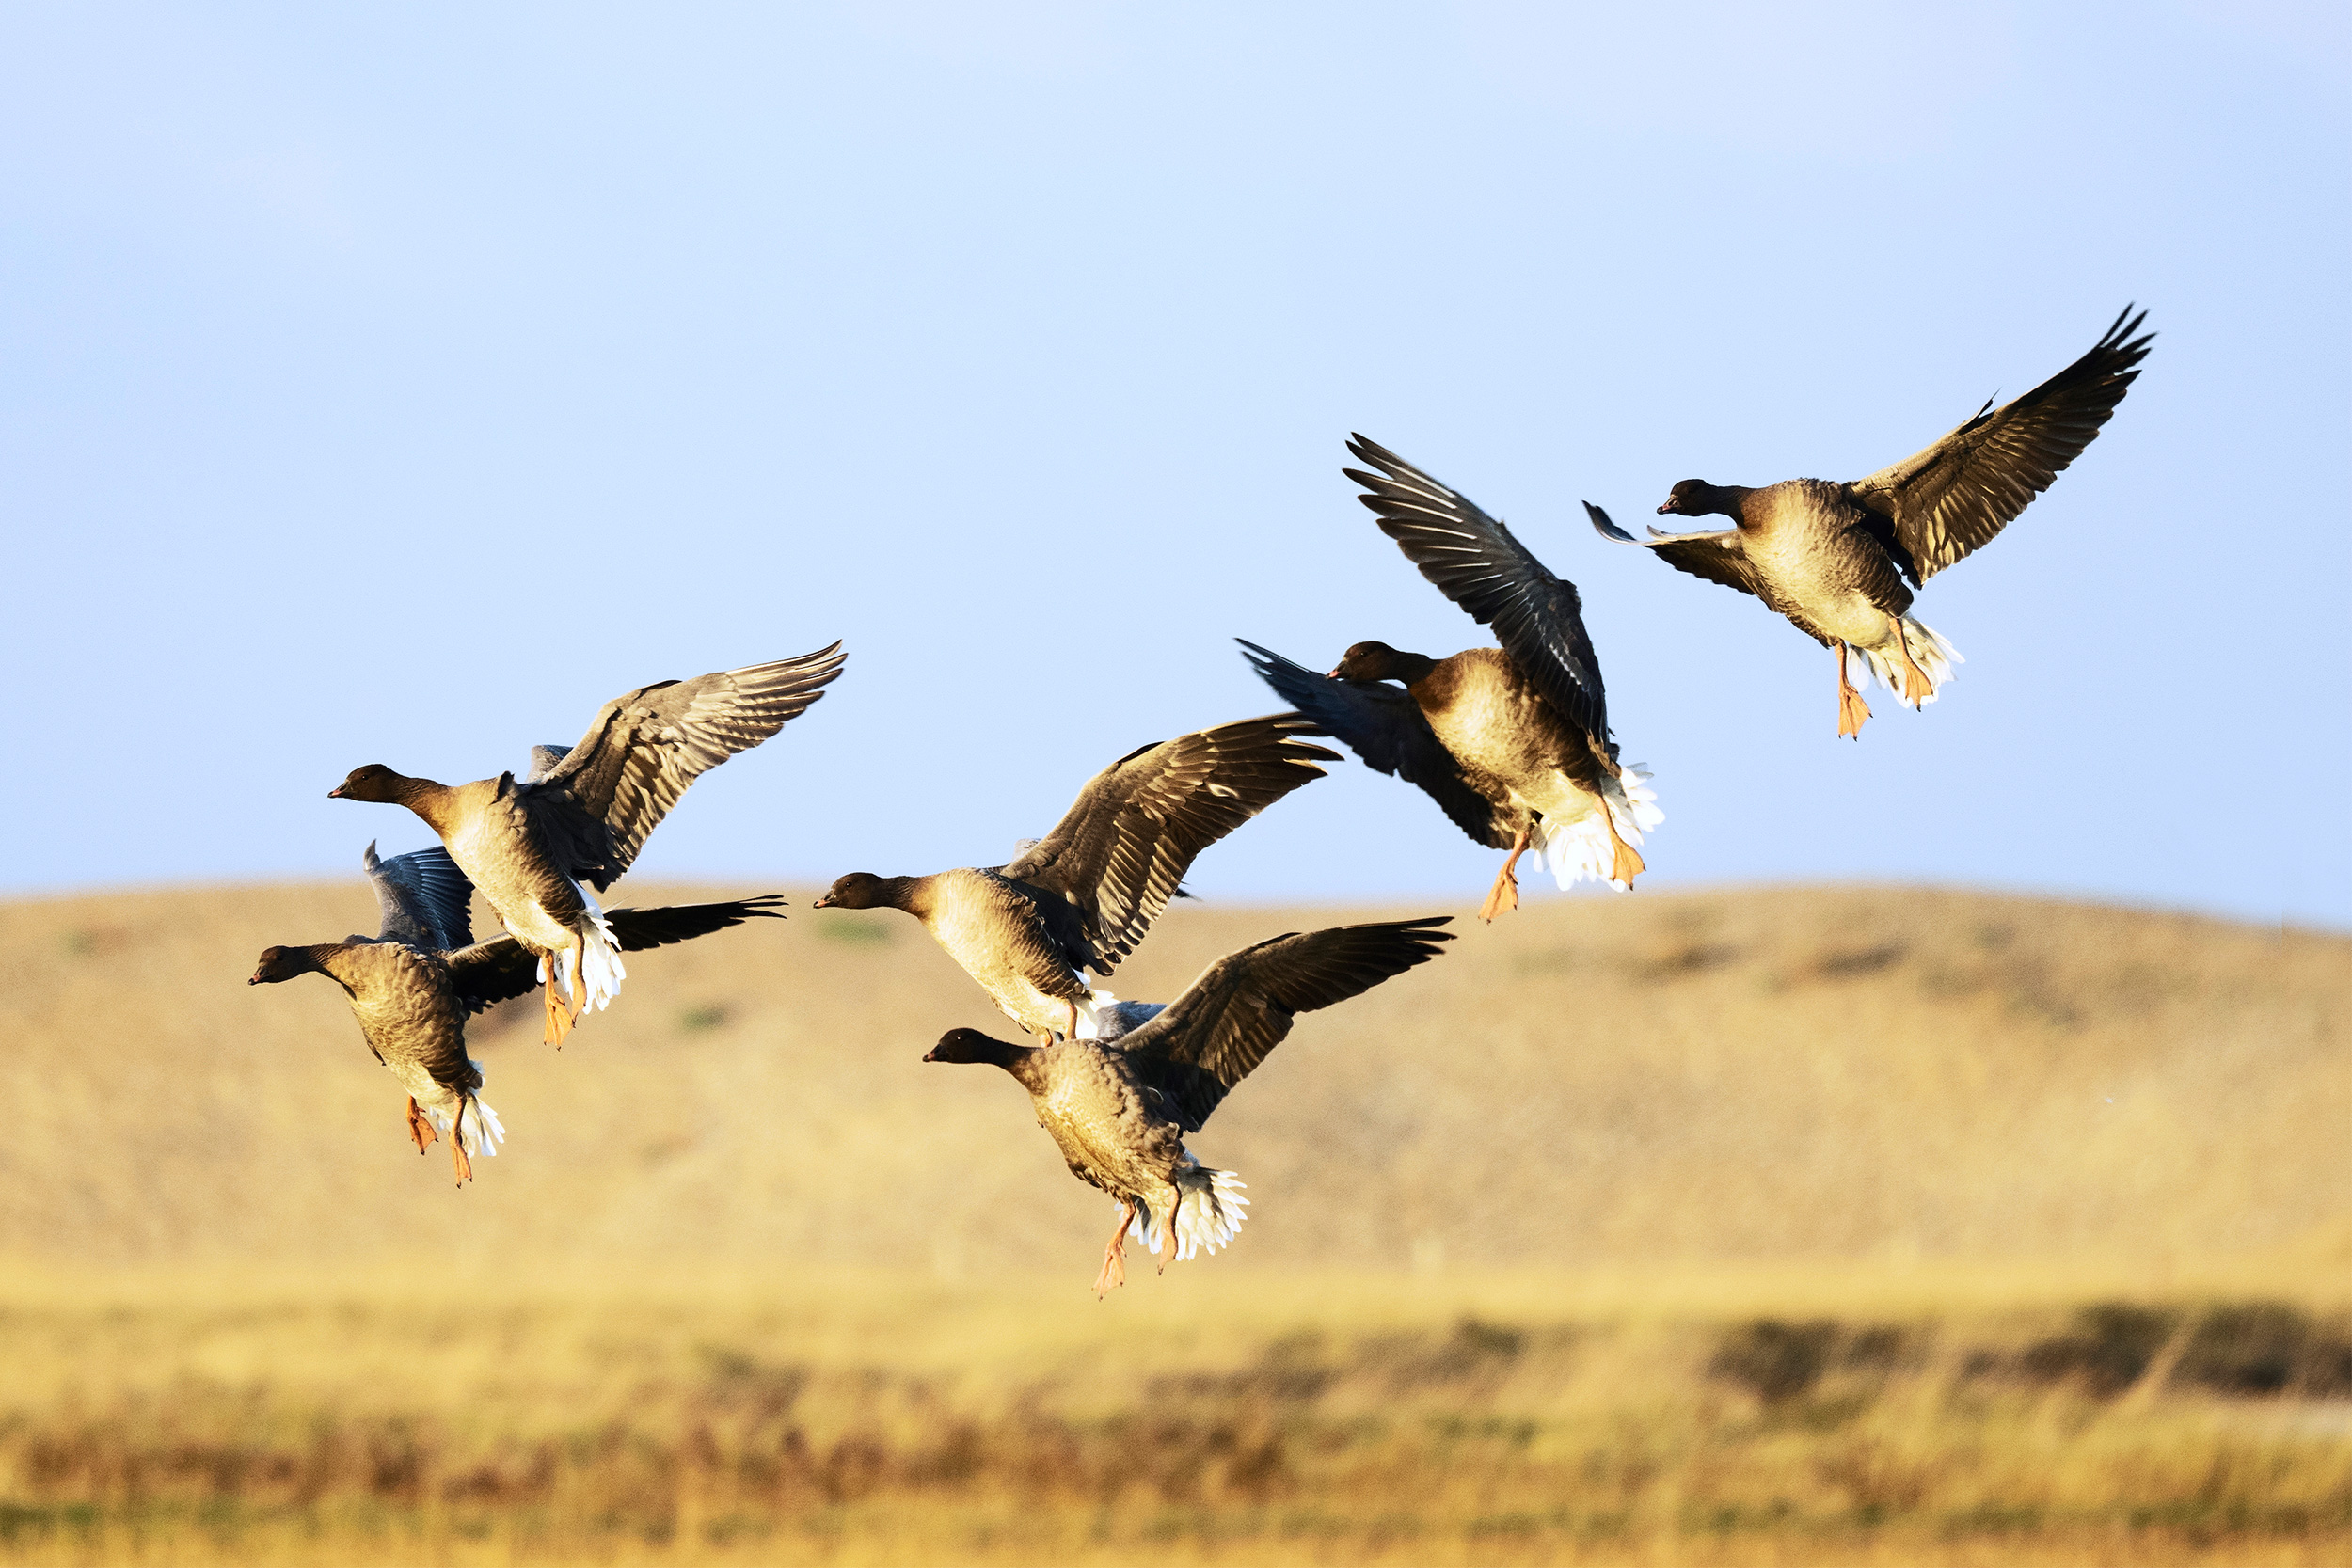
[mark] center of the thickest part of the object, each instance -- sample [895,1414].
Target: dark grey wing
[1954,497]
[497,971]
[1475,561]
[545,760]
[645,747]
[492,972]
[659,927]
[1228,1020]
[1117,853]
[1717,556]
[427,902]
[1383,725]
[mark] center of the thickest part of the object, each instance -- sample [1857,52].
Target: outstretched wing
[1717,556]
[645,748]
[1117,853]
[426,900]
[1951,499]
[496,970]
[1384,726]
[1243,1005]
[1475,561]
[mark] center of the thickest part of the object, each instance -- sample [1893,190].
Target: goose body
[414,983]
[536,845]
[1118,1111]
[1840,560]
[1084,896]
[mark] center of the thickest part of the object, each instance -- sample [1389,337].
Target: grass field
[1845,1225]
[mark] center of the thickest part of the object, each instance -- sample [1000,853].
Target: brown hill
[1809,1072]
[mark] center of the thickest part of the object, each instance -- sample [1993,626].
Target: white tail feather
[1208,1215]
[1929,651]
[1579,849]
[484,1130]
[601,969]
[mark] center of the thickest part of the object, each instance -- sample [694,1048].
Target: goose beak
[824,901]
[254,978]
[1333,673]
[932,1054]
[336,793]
[1665,508]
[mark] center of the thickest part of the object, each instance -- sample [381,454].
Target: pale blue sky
[397,383]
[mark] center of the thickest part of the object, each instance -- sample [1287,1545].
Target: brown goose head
[1377,661]
[1695,497]
[282,963]
[969,1045]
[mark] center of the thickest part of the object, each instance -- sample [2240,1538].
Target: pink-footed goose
[413,985]
[1118,1111]
[1840,560]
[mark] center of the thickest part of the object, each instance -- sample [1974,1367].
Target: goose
[577,820]
[413,984]
[1082,896]
[1513,742]
[1839,561]
[1118,1112]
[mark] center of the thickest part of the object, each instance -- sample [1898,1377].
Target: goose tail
[483,1131]
[1208,1212]
[1929,651]
[1580,849]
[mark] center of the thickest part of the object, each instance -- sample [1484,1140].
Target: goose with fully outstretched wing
[536,845]
[1512,742]
[413,985]
[1840,560]
[1082,898]
[1118,1111]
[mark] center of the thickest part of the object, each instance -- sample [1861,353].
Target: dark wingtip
[1607,529]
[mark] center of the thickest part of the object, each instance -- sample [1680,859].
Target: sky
[398,384]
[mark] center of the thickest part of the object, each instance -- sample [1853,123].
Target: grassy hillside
[1832,1072]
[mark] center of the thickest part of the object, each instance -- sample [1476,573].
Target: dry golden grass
[1853,1225]
[186,1417]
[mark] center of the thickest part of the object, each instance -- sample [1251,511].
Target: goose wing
[1383,725]
[646,746]
[426,900]
[1952,497]
[1475,561]
[1243,1005]
[501,969]
[1715,556]
[1117,853]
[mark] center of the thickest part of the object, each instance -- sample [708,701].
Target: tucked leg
[1918,688]
[1504,896]
[1626,861]
[1852,712]
[457,1145]
[420,1126]
[1114,1273]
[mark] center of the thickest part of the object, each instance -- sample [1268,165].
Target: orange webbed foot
[420,1126]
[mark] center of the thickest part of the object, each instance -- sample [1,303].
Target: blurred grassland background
[1796,1224]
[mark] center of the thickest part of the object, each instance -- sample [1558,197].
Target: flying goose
[583,813]
[413,984]
[1836,559]
[1512,742]
[1084,896]
[1119,1112]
